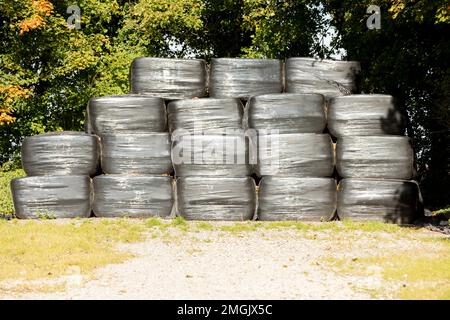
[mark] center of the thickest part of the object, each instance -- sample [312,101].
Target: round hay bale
[286,113]
[127,113]
[139,153]
[52,197]
[169,78]
[243,78]
[216,198]
[292,198]
[133,196]
[61,153]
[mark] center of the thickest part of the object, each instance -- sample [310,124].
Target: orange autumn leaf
[6,118]
[8,95]
[41,8]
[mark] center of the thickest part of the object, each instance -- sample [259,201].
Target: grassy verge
[48,249]
[6,203]
[413,274]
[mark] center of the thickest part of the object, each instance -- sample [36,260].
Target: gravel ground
[270,264]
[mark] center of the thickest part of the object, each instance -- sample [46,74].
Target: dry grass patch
[48,249]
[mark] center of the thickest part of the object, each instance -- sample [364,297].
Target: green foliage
[282,29]
[6,203]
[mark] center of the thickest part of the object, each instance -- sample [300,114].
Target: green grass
[442,213]
[6,203]
[42,249]
[418,274]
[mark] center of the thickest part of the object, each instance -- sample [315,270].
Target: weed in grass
[239,227]
[203,225]
[45,215]
[153,222]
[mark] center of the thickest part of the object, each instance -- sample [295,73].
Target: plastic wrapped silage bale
[133,196]
[216,198]
[211,155]
[287,113]
[378,200]
[169,78]
[243,78]
[52,197]
[385,157]
[328,77]
[61,153]
[295,154]
[364,115]
[291,198]
[126,113]
[206,115]
[138,153]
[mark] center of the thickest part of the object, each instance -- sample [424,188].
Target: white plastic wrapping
[211,155]
[169,78]
[61,153]
[126,113]
[385,157]
[393,201]
[287,113]
[291,198]
[327,77]
[243,78]
[364,115]
[139,153]
[133,196]
[52,197]
[205,115]
[295,154]
[214,198]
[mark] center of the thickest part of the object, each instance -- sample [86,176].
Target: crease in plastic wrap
[211,155]
[295,154]
[206,115]
[52,197]
[138,153]
[291,198]
[61,153]
[385,157]
[394,201]
[169,78]
[287,113]
[126,113]
[243,78]
[328,77]
[214,198]
[364,115]
[133,196]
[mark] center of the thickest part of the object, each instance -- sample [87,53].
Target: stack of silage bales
[135,157]
[212,143]
[295,159]
[374,159]
[210,147]
[135,139]
[59,166]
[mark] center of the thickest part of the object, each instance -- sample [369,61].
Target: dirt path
[220,265]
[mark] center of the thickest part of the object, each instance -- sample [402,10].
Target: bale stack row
[59,166]
[135,157]
[166,122]
[374,159]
